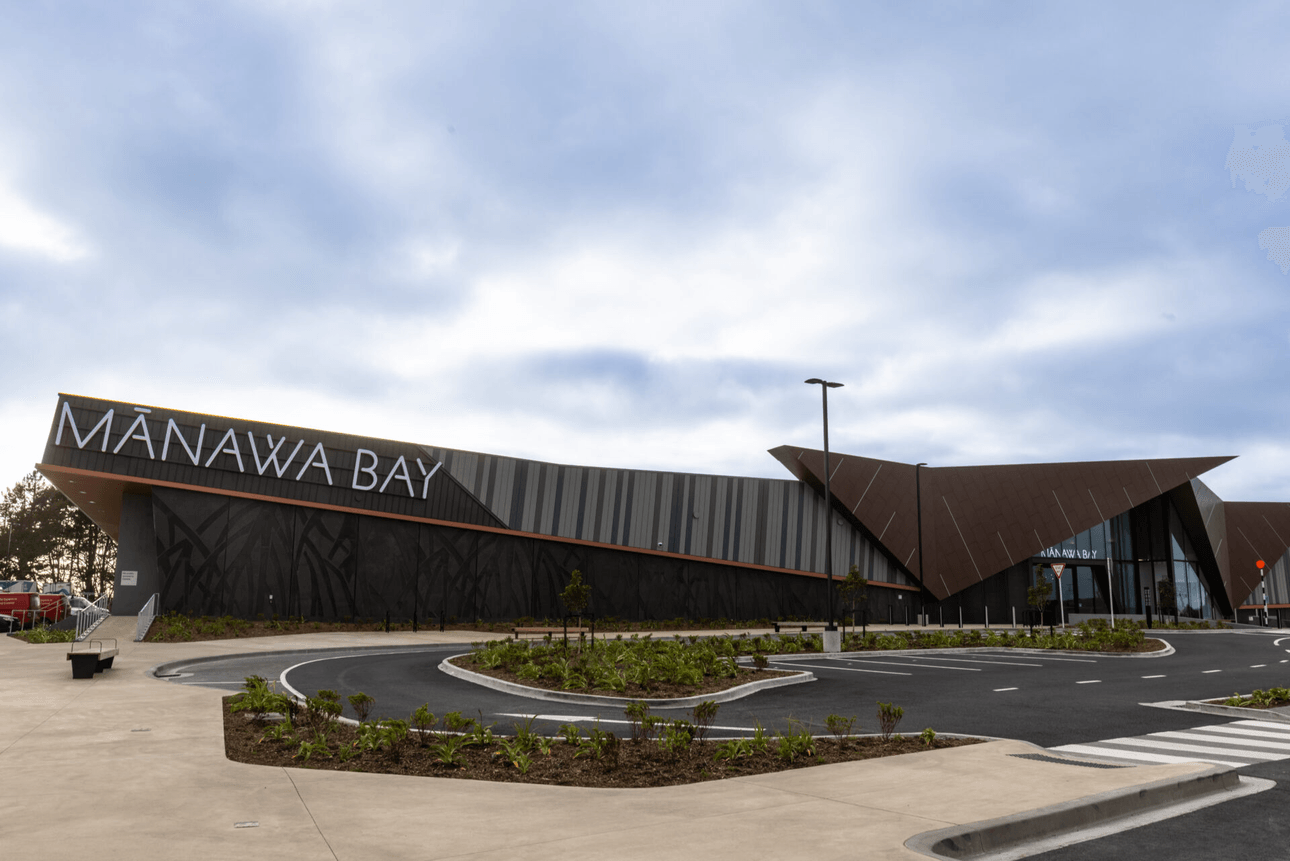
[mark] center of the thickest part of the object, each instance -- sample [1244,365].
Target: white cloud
[25,228]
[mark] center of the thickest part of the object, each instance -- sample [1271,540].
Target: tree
[855,590]
[575,598]
[1038,595]
[1168,599]
[48,539]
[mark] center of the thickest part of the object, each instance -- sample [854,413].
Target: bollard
[987,617]
[960,617]
[941,611]
[414,621]
[387,621]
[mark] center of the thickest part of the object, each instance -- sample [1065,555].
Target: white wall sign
[129,578]
[278,455]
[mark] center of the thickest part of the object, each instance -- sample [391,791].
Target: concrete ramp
[121,628]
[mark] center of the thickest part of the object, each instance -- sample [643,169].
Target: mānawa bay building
[221,515]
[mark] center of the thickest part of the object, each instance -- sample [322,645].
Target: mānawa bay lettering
[276,456]
[1068,553]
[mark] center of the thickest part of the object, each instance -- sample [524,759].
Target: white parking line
[1159,676]
[976,661]
[906,664]
[1207,672]
[1000,690]
[850,669]
[587,719]
[1256,666]
[1090,682]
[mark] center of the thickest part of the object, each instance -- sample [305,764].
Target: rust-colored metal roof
[979,520]
[1255,530]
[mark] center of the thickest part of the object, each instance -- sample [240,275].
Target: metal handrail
[146,615]
[91,617]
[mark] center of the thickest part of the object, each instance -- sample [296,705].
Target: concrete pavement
[126,766]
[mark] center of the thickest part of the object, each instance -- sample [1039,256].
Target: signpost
[1058,568]
[1263,584]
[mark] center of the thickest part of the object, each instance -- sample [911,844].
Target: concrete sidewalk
[125,766]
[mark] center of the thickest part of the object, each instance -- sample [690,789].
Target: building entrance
[1083,585]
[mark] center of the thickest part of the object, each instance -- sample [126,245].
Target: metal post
[987,617]
[918,504]
[1014,617]
[828,504]
[1110,582]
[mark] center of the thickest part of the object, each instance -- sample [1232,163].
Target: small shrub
[928,737]
[888,717]
[840,727]
[704,715]
[362,704]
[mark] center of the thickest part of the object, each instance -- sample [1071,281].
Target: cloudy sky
[624,234]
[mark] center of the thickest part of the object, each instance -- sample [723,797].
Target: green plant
[523,762]
[576,595]
[599,744]
[760,661]
[362,705]
[840,727]
[450,751]
[479,734]
[704,715]
[321,711]
[888,717]
[733,749]
[317,746]
[676,737]
[570,733]
[283,732]
[261,699]
[424,720]
[928,737]
[637,711]
[794,742]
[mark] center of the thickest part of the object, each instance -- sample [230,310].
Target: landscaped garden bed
[265,728]
[1272,698]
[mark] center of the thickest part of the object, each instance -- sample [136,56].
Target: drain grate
[1041,757]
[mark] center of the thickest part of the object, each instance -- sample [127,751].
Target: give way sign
[1058,568]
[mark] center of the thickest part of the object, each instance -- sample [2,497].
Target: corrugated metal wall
[760,521]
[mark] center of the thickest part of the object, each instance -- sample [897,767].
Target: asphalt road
[1046,699]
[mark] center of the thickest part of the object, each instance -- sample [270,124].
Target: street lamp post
[918,502]
[831,630]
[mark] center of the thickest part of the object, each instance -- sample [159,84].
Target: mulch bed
[660,690]
[637,764]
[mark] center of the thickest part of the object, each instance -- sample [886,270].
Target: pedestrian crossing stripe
[1236,744]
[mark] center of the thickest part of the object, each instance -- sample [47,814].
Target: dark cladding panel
[191,531]
[258,558]
[503,589]
[326,564]
[387,568]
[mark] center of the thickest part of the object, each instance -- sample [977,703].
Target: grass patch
[46,635]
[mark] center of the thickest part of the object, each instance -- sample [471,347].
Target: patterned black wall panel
[221,555]
[326,564]
[388,563]
[502,578]
[257,561]
[191,534]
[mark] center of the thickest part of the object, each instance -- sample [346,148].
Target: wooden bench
[96,657]
[542,632]
[802,625]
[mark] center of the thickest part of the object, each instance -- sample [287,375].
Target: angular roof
[980,520]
